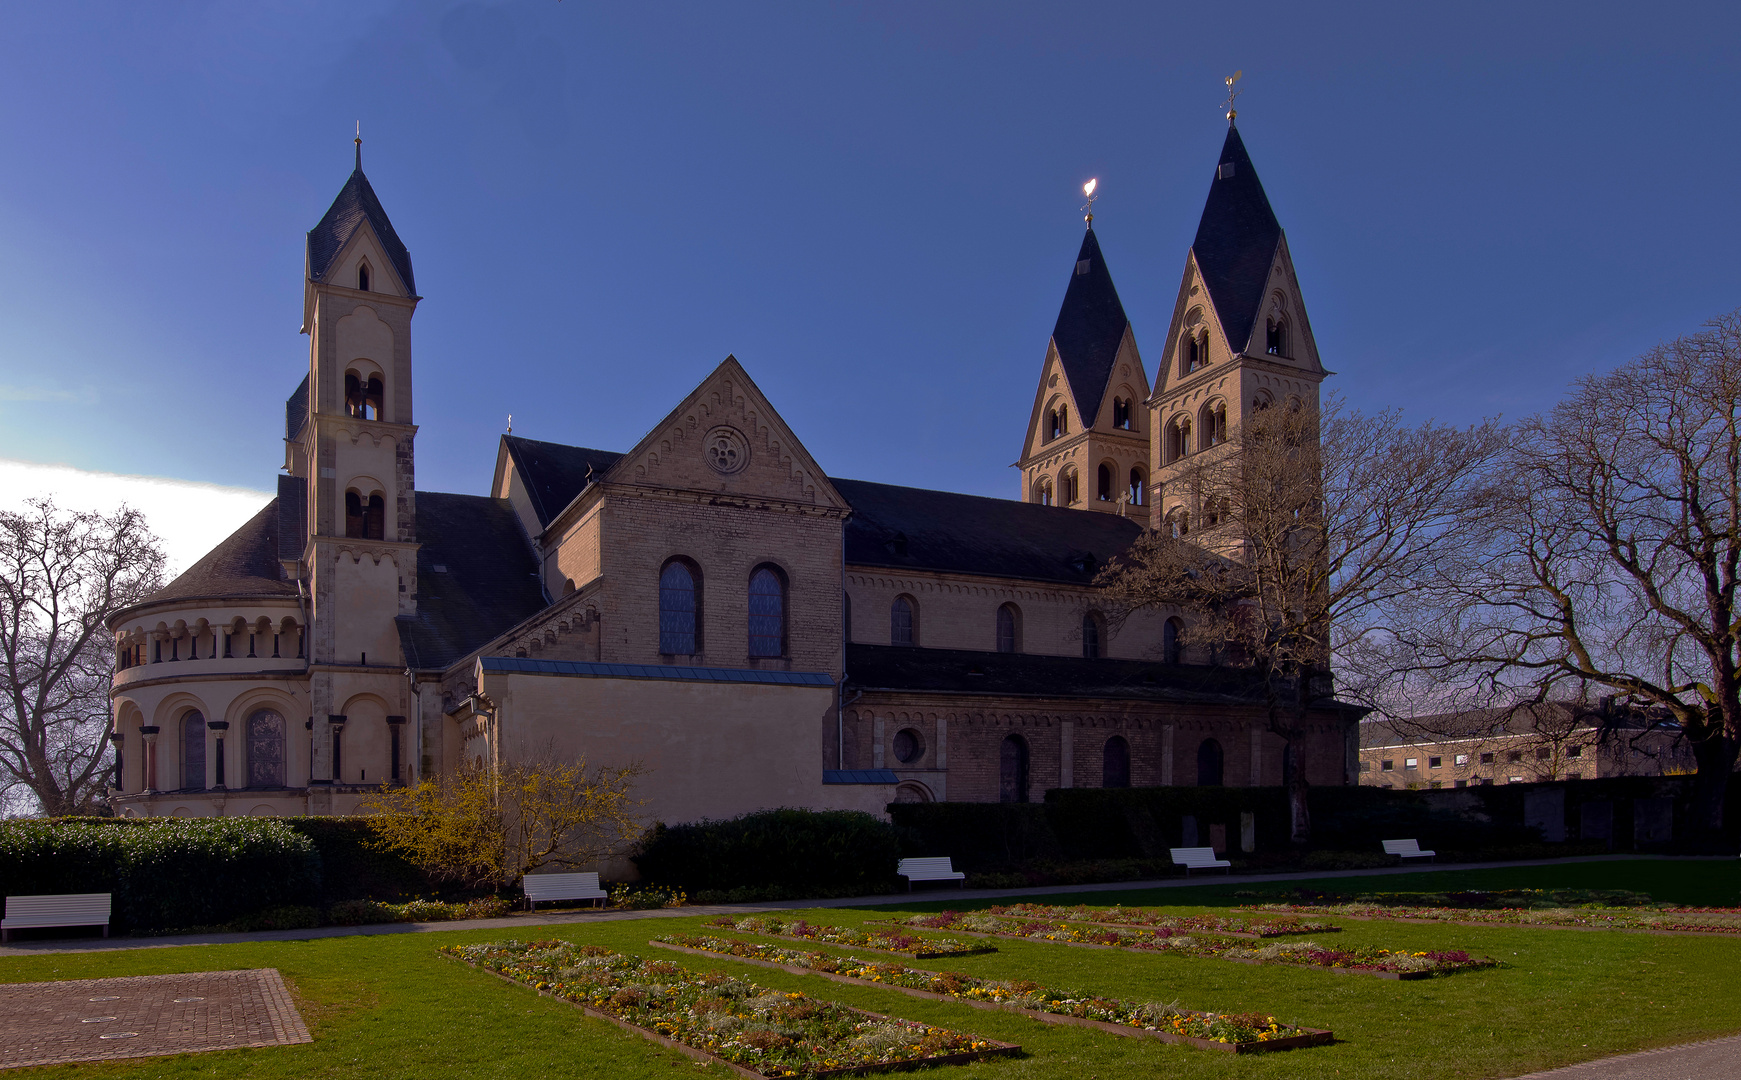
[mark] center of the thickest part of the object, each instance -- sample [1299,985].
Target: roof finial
[359,146]
[1088,207]
[510,423]
[1231,95]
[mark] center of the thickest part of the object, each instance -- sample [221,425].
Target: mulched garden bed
[1236,926]
[752,1030]
[1235,1033]
[893,942]
[1361,960]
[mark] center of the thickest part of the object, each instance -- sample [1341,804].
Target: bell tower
[1239,340]
[1087,439]
[351,465]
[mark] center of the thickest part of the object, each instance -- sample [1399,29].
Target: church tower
[348,506]
[1087,443]
[1239,340]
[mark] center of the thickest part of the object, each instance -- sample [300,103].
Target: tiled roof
[921,529]
[355,204]
[476,578]
[555,473]
[959,671]
[859,776]
[244,566]
[292,516]
[1236,239]
[1091,324]
[296,410]
[583,669]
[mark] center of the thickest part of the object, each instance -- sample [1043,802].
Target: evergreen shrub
[165,873]
[844,852]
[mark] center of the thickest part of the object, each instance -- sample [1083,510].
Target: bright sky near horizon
[874,206]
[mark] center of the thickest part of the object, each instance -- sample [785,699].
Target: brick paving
[50,1023]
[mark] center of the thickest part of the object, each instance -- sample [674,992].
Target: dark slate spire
[1090,326]
[1236,240]
[356,202]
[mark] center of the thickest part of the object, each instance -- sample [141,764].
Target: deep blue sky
[873,206]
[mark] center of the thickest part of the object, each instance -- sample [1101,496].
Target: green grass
[383,1007]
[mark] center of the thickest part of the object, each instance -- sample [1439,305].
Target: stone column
[1167,756]
[1067,754]
[215,768]
[149,734]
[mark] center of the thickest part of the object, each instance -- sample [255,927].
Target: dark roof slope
[554,473]
[356,203]
[959,671]
[292,517]
[487,581]
[940,530]
[296,410]
[1236,239]
[245,565]
[1090,325]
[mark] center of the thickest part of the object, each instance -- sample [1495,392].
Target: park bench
[1408,849]
[929,870]
[62,909]
[552,887]
[1199,858]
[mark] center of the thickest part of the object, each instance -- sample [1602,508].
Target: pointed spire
[1090,327]
[356,203]
[1236,240]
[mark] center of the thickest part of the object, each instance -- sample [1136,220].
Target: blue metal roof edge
[669,672]
[859,776]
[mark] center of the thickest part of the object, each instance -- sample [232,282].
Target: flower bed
[1246,926]
[1365,960]
[1679,920]
[875,940]
[1234,1032]
[754,1030]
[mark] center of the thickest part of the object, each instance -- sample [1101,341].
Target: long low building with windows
[710,603]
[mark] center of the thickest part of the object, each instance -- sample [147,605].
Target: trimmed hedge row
[810,852]
[165,873]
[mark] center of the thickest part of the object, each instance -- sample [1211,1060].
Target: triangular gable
[355,204]
[1054,383]
[1137,380]
[725,437]
[1281,295]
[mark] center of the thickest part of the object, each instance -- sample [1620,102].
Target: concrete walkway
[525,921]
[1715,1059]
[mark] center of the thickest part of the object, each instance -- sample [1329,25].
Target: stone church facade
[710,602]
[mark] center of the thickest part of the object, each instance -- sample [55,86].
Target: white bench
[1408,849]
[63,909]
[551,887]
[1199,858]
[929,870]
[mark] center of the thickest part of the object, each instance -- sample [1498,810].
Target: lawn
[382,1007]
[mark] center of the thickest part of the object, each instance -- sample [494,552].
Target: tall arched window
[1043,491]
[1121,413]
[1177,523]
[1137,486]
[1178,438]
[1012,770]
[1069,488]
[767,612]
[363,397]
[679,609]
[1212,425]
[1115,763]
[903,622]
[1172,640]
[1276,337]
[193,751]
[1057,422]
[265,749]
[1103,484]
[1008,629]
[363,278]
[365,519]
[1093,630]
[1209,764]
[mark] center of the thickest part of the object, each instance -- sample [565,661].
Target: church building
[710,602]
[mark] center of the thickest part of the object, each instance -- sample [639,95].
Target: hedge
[808,852]
[165,873]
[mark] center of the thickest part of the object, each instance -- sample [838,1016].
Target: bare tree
[1318,527]
[62,574]
[1612,544]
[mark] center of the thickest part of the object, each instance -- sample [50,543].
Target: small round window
[908,746]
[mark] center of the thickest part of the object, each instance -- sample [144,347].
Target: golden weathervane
[1231,95]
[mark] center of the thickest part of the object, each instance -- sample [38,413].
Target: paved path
[1717,1059]
[526,920]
